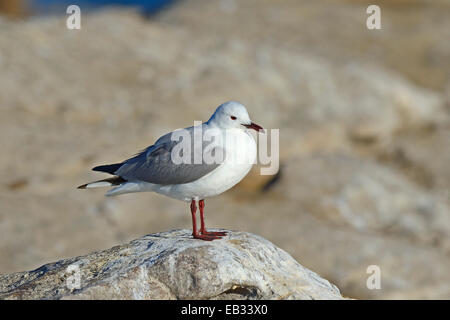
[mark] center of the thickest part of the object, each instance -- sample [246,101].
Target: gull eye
[233,117]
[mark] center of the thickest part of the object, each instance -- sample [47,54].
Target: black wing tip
[108,168]
[115,181]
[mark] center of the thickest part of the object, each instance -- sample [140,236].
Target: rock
[172,265]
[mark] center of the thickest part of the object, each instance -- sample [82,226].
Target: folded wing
[155,164]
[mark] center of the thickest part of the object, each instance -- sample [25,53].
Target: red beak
[254,126]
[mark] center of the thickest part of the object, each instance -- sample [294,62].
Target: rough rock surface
[172,265]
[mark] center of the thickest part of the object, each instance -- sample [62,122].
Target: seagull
[158,168]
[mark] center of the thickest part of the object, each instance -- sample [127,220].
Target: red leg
[194,219]
[201,205]
[195,233]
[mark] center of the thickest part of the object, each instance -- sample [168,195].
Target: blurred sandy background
[363,117]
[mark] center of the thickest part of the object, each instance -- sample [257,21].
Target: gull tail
[115,181]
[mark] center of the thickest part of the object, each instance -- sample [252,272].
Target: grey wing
[155,165]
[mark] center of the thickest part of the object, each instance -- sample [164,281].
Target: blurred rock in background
[363,118]
[14,8]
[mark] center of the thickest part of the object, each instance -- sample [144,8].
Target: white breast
[240,151]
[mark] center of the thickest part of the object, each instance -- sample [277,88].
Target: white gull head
[232,114]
